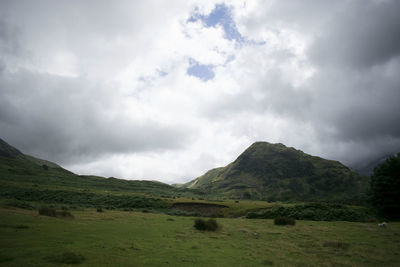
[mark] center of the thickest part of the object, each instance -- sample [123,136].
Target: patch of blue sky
[220,15]
[203,72]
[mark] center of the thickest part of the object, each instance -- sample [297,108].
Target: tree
[385,188]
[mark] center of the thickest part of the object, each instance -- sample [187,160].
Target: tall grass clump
[284,221]
[203,225]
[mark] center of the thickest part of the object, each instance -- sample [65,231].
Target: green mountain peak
[276,172]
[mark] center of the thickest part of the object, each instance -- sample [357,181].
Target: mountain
[276,172]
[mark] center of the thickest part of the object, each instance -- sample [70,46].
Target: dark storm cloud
[360,35]
[361,106]
[357,85]
[70,119]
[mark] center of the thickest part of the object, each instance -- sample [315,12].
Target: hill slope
[276,172]
[27,178]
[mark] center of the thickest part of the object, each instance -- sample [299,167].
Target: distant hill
[368,168]
[8,151]
[26,178]
[11,154]
[276,172]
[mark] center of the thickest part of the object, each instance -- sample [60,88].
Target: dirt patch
[202,209]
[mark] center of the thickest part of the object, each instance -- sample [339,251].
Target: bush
[47,212]
[202,225]
[284,221]
[315,212]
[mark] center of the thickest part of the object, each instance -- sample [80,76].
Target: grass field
[117,238]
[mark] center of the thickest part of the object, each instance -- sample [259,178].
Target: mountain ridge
[276,172]
[19,171]
[264,171]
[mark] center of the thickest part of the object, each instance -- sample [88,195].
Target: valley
[96,221]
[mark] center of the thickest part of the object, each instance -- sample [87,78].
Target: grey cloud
[8,38]
[263,90]
[352,99]
[360,106]
[70,119]
[363,34]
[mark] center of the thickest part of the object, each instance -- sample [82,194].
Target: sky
[166,90]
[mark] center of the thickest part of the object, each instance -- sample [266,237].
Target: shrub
[284,221]
[47,212]
[203,225]
[212,225]
[200,224]
[315,212]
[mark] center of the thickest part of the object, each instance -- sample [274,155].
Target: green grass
[116,238]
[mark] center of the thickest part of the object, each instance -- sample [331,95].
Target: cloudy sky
[166,90]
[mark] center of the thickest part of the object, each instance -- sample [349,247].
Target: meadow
[126,238]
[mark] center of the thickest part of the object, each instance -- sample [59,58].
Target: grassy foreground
[116,238]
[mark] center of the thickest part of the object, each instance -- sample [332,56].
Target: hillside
[276,172]
[26,178]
